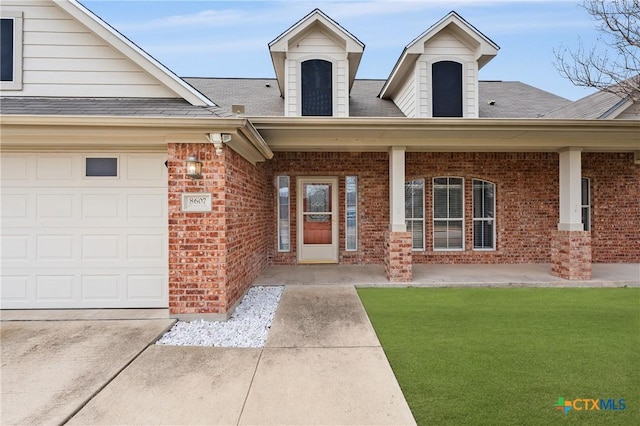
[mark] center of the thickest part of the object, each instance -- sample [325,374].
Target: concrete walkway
[322,364]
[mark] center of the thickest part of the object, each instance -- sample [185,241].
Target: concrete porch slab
[439,275]
[50,369]
[176,385]
[325,386]
[312,316]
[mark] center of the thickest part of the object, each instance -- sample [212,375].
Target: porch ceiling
[378,134]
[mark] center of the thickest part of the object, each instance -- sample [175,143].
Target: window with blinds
[448,213]
[484,207]
[414,211]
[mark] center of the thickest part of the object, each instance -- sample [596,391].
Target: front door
[317,220]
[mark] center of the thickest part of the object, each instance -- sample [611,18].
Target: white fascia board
[133,52]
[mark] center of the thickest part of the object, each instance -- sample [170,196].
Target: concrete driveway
[322,364]
[50,369]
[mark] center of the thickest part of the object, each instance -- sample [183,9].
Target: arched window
[317,88]
[446,86]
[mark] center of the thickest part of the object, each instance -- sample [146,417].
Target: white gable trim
[125,46]
[279,47]
[485,49]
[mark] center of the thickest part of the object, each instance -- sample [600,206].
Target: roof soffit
[482,46]
[315,21]
[129,49]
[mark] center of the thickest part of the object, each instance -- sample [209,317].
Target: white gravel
[247,328]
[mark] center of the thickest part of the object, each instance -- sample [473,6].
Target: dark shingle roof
[261,97]
[142,107]
[591,107]
[514,99]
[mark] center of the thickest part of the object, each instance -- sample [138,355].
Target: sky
[229,38]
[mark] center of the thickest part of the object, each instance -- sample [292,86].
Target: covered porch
[466,275]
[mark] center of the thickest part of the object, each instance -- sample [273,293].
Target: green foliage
[504,356]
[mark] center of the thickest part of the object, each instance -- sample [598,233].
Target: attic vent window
[447,89]
[317,88]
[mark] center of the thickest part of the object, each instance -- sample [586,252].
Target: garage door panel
[15,248]
[94,287]
[14,207]
[55,207]
[146,247]
[101,247]
[142,167]
[14,167]
[57,167]
[74,242]
[55,287]
[55,247]
[101,287]
[15,288]
[144,287]
[103,206]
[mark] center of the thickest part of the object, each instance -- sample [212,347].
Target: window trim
[281,248]
[346,208]
[433,218]
[16,16]
[105,155]
[482,219]
[586,226]
[423,219]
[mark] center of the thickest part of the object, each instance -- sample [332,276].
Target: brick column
[571,255]
[397,256]
[197,241]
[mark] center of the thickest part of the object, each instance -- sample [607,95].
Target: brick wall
[571,254]
[372,170]
[197,247]
[615,216]
[397,256]
[527,197]
[215,256]
[249,198]
[526,203]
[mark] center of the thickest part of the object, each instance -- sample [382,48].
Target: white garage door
[84,230]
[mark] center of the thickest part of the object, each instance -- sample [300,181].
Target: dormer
[437,73]
[316,62]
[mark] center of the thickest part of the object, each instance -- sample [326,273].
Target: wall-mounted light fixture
[194,167]
[219,139]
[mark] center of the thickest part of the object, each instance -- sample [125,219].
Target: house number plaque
[196,202]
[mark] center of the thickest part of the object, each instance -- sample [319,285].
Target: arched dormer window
[317,88]
[446,83]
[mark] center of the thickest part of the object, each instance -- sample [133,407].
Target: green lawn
[487,356]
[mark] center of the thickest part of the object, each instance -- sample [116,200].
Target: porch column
[571,244]
[397,257]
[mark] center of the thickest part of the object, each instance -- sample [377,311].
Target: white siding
[406,97]
[631,113]
[446,47]
[316,44]
[341,89]
[61,57]
[291,88]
